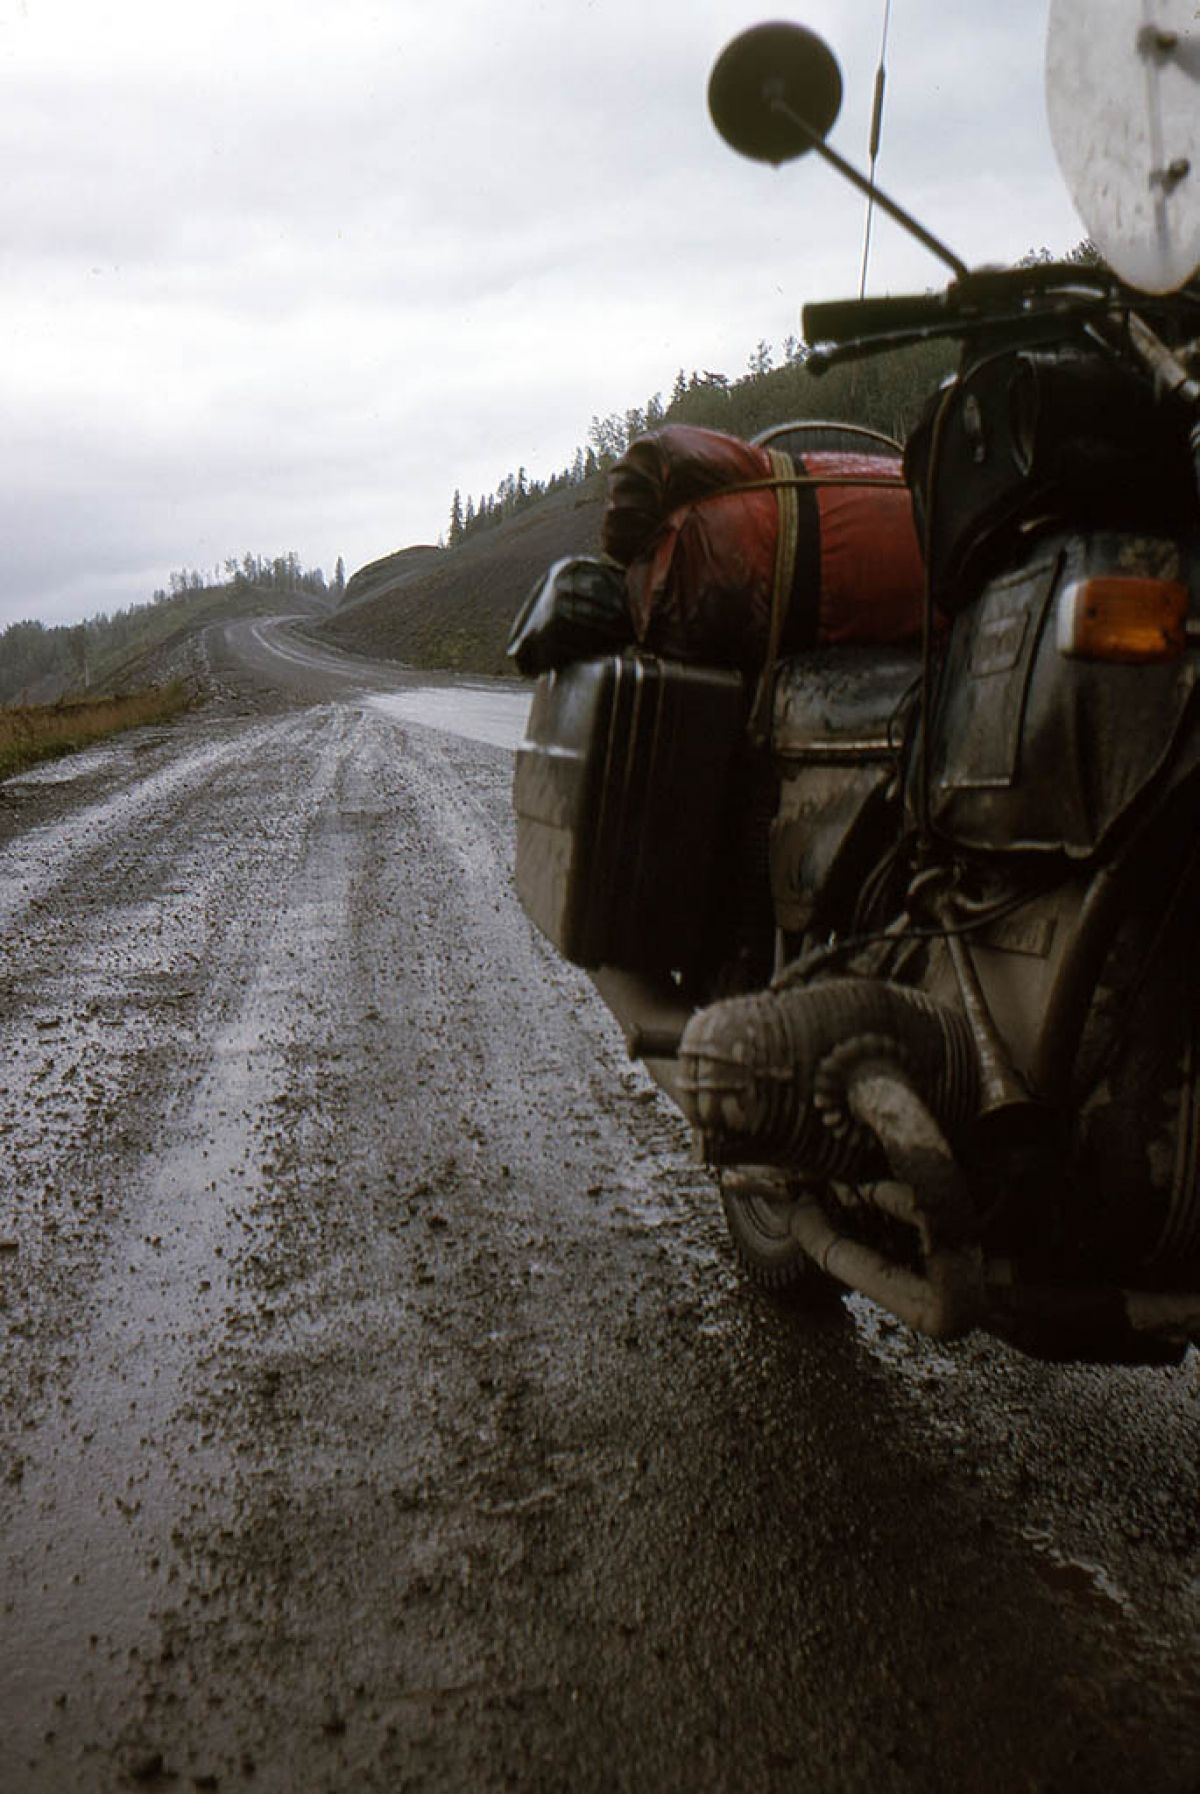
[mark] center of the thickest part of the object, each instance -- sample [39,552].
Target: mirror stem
[870,189]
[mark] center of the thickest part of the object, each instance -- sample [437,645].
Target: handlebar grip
[842,320]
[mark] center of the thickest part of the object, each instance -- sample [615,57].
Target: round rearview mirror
[1123,98]
[774,92]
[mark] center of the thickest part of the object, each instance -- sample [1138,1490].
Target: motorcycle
[910,934]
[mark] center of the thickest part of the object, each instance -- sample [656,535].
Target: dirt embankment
[453,607]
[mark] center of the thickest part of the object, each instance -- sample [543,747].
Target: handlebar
[843,320]
[984,298]
[1067,297]
[1089,301]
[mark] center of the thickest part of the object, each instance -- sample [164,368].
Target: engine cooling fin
[763,1076]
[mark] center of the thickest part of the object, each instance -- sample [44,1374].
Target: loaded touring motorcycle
[910,931]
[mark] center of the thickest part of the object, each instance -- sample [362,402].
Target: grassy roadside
[29,733]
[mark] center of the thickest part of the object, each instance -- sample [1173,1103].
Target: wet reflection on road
[474,712]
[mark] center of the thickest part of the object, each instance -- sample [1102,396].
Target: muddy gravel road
[379,1405]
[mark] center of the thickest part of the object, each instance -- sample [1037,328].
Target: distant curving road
[379,1406]
[486,710]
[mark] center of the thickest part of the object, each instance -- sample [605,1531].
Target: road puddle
[489,714]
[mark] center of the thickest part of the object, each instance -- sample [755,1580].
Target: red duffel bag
[714,531]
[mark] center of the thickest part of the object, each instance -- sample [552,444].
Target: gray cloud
[285,277]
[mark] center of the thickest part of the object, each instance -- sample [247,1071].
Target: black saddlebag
[622,794]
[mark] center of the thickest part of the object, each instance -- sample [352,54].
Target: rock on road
[379,1407]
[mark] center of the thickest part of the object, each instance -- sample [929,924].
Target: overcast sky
[282,276]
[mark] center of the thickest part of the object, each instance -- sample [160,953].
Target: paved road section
[379,1406]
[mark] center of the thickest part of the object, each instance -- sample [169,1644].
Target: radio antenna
[876,132]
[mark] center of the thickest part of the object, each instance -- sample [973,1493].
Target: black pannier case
[622,797]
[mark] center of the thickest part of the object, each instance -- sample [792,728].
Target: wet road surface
[379,1406]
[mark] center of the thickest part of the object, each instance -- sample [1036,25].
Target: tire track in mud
[420,1384]
[110,993]
[37,865]
[195,1059]
[259,925]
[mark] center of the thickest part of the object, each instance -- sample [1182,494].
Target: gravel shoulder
[379,1406]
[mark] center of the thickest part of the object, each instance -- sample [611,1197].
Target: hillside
[175,649]
[156,641]
[381,575]
[453,607]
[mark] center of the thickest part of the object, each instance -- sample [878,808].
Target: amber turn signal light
[1123,618]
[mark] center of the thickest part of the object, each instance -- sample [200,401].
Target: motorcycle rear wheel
[758,1213]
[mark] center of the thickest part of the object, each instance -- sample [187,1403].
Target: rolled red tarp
[697,529]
